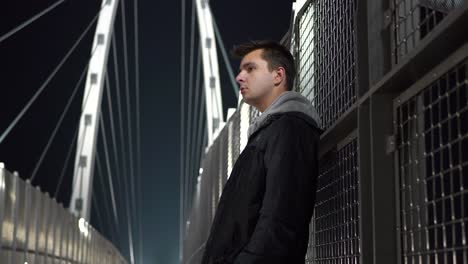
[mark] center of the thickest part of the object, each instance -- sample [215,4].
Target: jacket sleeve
[291,172]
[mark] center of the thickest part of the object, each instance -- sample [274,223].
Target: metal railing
[35,229]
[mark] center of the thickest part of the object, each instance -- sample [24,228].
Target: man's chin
[247,100]
[250,103]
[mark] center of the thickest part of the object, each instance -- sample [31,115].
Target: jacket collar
[273,117]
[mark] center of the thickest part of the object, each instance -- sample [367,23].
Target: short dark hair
[275,54]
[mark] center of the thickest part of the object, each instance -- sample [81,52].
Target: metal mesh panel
[232,146]
[235,136]
[215,176]
[253,113]
[292,48]
[432,154]
[334,234]
[414,19]
[223,159]
[326,57]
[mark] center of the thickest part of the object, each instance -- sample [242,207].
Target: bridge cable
[132,195]
[64,167]
[138,154]
[59,123]
[232,77]
[46,82]
[65,164]
[193,168]
[182,101]
[31,20]
[111,184]
[93,201]
[119,110]
[201,120]
[118,234]
[129,123]
[200,124]
[114,143]
[204,142]
[70,148]
[113,137]
[188,162]
[119,107]
[100,177]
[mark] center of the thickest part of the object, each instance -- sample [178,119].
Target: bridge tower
[214,104]
[89,122]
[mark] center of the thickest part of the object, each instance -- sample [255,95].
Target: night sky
[28,58]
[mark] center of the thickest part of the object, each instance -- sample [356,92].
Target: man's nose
[239,78]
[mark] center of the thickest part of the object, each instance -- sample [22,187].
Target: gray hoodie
[288,101]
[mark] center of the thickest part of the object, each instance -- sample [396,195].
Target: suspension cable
[119,111]
[51,76]
[64,168]
[106,153]
[114,143]
[31,20]
[196,117]
[200,125]
[188,162]
[138,154]
[113,137]
[129,118]
[132,194]
[119,107]
[65,164]
[93,201]
[59,123]
[101,182]
[182,94]
[232,78]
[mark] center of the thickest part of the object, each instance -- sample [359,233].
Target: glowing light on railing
[2,181]
[83,227]
[200,171]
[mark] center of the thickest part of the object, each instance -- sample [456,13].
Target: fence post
[27,205]
[2,201]
[14,216]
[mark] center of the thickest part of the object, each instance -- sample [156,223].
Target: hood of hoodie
[288,101]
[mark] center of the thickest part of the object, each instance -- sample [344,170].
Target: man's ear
[280,76]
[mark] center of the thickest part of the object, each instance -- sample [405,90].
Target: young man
[264,212]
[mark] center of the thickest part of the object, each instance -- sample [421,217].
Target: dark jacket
[264,212]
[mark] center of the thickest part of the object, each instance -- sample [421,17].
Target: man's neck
[268,101]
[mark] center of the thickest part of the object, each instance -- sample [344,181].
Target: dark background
[28,58]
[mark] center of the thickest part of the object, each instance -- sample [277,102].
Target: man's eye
[249,69]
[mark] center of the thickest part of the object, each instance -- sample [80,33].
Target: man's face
[255,79]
